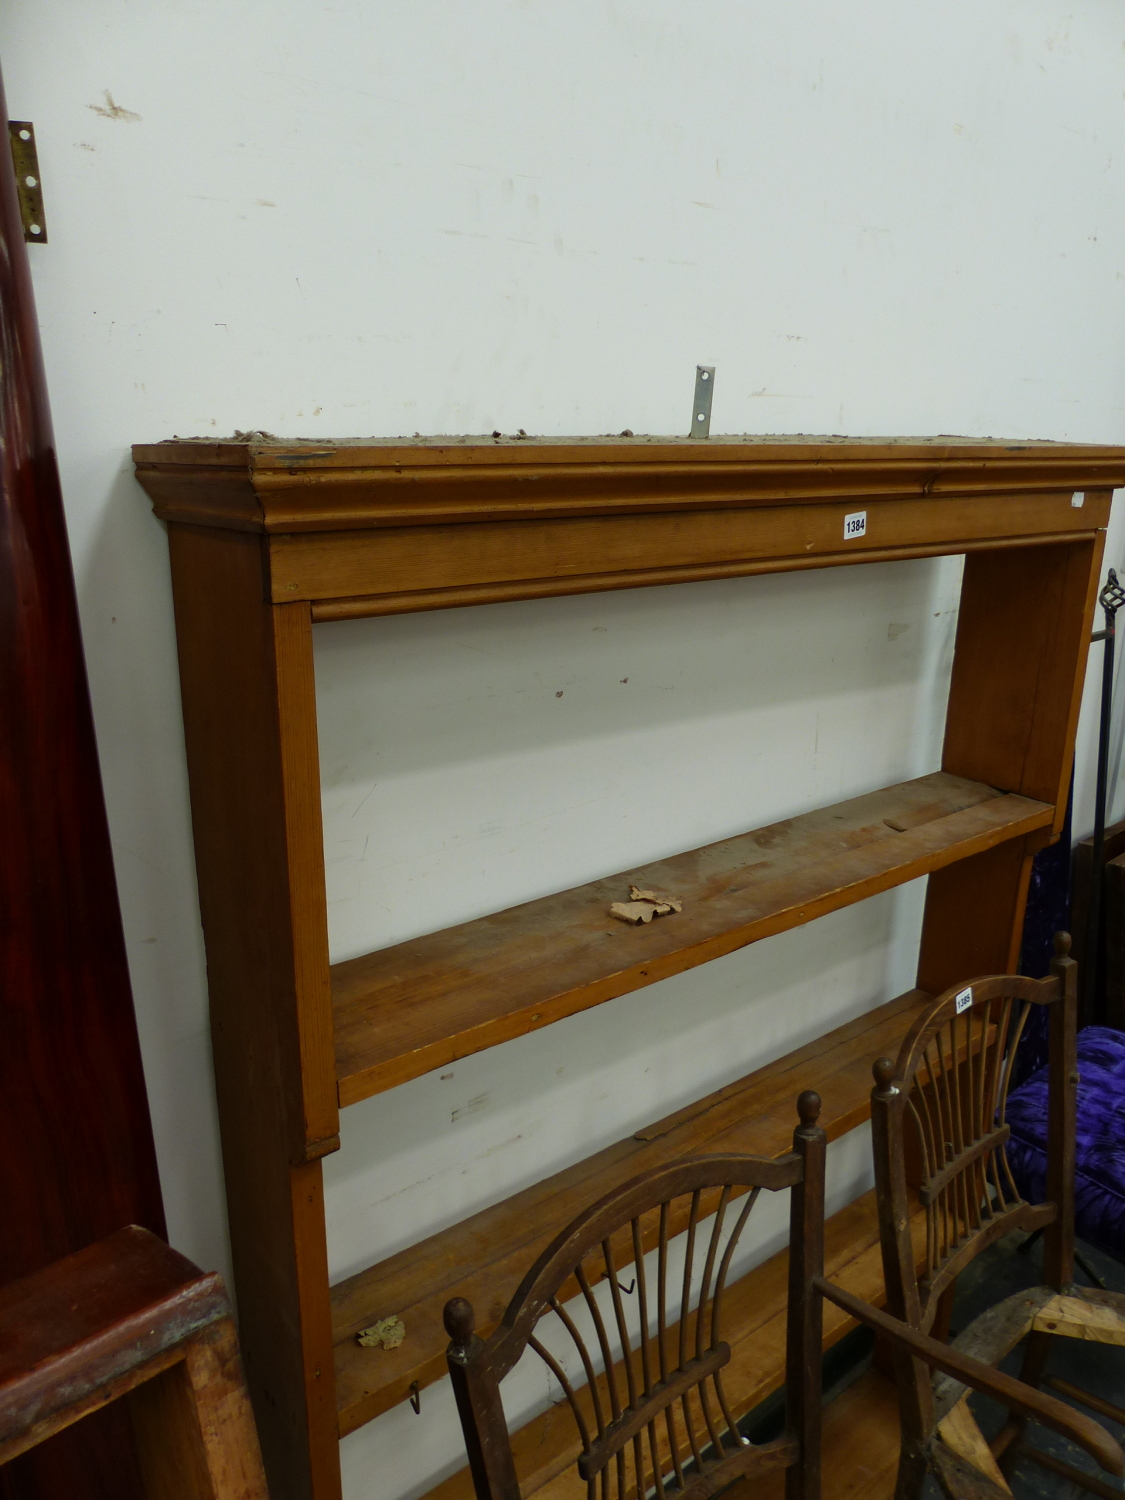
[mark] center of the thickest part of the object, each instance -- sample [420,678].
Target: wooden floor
[860,1454]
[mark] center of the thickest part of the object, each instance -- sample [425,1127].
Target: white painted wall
[364,218]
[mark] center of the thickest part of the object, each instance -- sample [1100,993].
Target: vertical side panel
[317,1131]
[1063,674]
[245,675]
[1023,635]
[974,916]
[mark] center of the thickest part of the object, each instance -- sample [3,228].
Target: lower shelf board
[546,1449]
[422,1004]
[484,1257]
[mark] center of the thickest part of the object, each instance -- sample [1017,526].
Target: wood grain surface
[1023,634]
[859,1459]
[384,527]
[421,1004]
[91,1318]
[262,484]
[562,555]
[128,1319]
[250,729]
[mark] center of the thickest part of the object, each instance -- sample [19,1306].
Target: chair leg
[194,1431]
[912,1470]
[943,1315]
[1007,1443]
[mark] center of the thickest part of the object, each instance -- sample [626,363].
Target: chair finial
[883,1072]
[459,1320]
[1062,944]
[808,1107]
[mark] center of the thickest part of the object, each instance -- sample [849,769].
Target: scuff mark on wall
[473,1106]
[111,110]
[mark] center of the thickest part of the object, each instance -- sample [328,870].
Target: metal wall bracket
[701,411]
[21,133]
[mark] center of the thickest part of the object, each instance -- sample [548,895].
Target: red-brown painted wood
[77,1160]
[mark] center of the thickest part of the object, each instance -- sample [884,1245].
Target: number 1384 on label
[855,524]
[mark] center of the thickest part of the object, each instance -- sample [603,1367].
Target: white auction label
[1078,499]
[964,999]
[855,524]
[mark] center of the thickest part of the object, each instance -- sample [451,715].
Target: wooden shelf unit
[267,538]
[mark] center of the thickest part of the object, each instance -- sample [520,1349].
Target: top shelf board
[260,484]
[385,527]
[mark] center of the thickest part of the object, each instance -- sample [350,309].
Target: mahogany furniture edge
[129,1319]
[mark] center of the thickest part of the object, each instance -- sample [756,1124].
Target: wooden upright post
[246,675]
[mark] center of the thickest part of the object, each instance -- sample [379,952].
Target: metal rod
[1111,599]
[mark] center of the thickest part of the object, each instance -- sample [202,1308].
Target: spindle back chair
[938,1117]
[648,1401]
[939,1133]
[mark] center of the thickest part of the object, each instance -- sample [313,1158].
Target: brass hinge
[21,133]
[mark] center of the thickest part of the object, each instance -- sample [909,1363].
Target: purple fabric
[1100,1174]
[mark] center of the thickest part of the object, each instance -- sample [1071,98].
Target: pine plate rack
[267,538]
